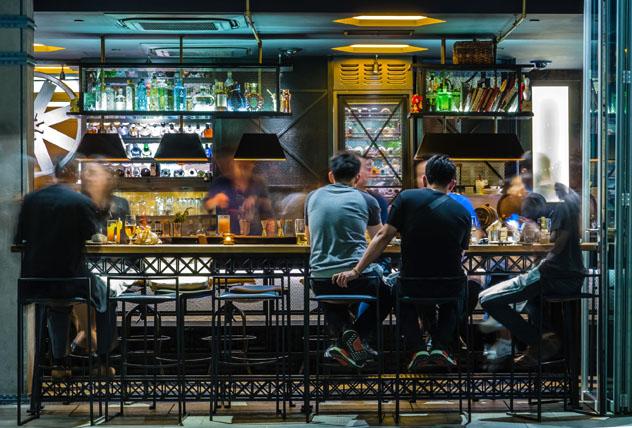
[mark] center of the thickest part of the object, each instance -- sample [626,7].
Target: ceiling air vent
[359,74]
[200,52]
[179,25]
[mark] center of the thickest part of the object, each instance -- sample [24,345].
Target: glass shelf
[239,91]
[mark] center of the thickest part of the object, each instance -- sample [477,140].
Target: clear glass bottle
[109,98]
[179,96]
[254,100]
[141,96]
[220,96]
[203,100]
[154,97]
[129,96]
[119,100]
[236,99]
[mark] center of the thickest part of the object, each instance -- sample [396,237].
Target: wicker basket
[473,53]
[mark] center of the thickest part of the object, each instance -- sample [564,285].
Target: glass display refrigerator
[376,126]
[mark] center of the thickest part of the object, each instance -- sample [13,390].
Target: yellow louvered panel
[358,74]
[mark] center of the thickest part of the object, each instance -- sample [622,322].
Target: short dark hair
[345,166]
[440,170]
[534,206]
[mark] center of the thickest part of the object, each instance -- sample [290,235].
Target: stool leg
[306,319]
[380,386]
[123,386]
[20,379]
[90,365]
[397,356]
[539,378]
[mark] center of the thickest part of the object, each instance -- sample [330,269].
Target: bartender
[239,193]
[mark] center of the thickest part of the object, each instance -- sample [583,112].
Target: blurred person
[239,193]
[53,226]
[338,215]
[435,231]
[560,273]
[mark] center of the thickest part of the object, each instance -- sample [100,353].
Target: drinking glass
[288,228]
[130,226]
[300,231]
[111,230]
[223,224]
[244,227]
[268,228]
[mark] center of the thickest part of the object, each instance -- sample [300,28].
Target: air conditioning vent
[360,74]
[179,25]
[200,52]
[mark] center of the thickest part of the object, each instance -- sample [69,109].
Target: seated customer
[54,224]
[435,230]
[338,215]
[560,273]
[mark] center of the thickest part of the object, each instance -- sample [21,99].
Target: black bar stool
[274,297]
[571,372]
[402,296]
[35,291]
[321,392]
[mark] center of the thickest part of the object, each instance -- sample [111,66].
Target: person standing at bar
[53,226]
[338,216]
[435,231]
[239,193]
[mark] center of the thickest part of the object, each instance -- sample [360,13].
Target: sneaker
[343,357]
[418,360]
[354,347]
[490,325]
[499,350]
[550,348]
[441,358]
[372,353]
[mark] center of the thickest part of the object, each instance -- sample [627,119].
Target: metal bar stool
[571,374]
[274,297]
[321,392]
[32,291]
[402,297]
[158,362]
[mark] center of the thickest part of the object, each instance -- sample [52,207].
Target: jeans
[338,316]
[499,299]
[439,320]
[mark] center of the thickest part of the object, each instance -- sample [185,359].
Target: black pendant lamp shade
[181,147]
[260,147]
[104,146]
[475,147]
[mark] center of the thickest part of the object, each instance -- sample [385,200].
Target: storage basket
[473,53]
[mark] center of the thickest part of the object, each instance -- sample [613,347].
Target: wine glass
[130,226]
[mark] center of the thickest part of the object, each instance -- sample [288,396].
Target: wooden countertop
[210,249]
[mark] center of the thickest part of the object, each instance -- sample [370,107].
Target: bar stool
[275,300]
[32,291]
[142,299]
[341,299]
[402,297]
[567,303]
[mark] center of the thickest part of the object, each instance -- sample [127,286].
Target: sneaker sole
[344,360]
[418,362]
[354,346]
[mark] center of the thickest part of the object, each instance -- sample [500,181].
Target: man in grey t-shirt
[338,215]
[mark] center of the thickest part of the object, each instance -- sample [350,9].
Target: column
[16,142]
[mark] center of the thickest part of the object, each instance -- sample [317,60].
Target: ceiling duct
[199,52]
[179,25]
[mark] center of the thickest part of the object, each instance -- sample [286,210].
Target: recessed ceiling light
[40,47]
[389,20]
[377,48]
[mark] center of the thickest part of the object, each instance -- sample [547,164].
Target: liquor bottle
[208,151]
[203,100]
[119,100]
[153,93]
[198,130]
[135,151]
[179,96]
[141,96]
[236,99]
[254,99]
[129,96]
[229,82]
[220,96]
[208,131]
[162,94]
[153,168]
[109,98]
[146,151]
[286,101]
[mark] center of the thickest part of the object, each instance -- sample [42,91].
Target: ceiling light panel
[375,48]
[389,21]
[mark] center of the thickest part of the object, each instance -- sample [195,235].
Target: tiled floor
[333,414]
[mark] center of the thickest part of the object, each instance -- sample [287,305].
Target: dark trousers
[340,317]
[439,320]
[499,299]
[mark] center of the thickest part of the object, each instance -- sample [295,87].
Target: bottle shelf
[151,184]
[185,114]
[524,115]
[474,67]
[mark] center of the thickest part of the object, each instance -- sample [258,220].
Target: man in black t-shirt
[435,230]
[560,273]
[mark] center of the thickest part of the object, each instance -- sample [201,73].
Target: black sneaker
[441,358]
[418,360]
[353,345]
[343,357]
